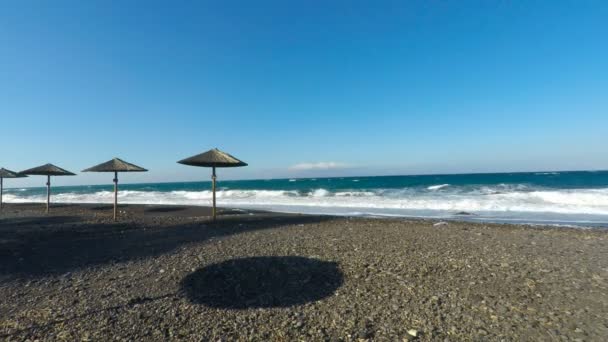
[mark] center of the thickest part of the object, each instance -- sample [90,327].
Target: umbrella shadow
[41,248]
[187,211]
[263,282]
[8,224]
[60,205]
[169,209]
[107,207]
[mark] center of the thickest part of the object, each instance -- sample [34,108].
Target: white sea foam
[320,193]
[437,187]
[499,201]
[355,194]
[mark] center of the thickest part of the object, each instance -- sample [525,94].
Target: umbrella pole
[1,191]
[48,193]
[115,193]
[213,177]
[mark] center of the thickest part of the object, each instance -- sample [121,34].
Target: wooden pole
[48,193]
[1,191]
[213,177]
[115,193]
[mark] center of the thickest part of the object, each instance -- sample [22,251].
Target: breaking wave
[437,187]
[498,201]
[572,197]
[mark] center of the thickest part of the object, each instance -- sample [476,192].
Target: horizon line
[332,177]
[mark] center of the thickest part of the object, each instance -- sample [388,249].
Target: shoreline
[203,210]
[564,198]
[168,272]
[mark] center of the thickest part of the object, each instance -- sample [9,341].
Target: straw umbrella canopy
[213,158]
[47,170]
[4,173]
[115,165]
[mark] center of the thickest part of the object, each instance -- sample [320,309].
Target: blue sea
[562,198]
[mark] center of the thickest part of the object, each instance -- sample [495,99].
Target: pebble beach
[169,273]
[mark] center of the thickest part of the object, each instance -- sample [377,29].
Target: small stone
[161,271]
[412,332]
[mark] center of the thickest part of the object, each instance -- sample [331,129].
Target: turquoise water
[579,198]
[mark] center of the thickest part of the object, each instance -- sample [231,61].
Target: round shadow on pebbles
[263,282]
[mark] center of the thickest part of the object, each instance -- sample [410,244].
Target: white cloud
[318,166]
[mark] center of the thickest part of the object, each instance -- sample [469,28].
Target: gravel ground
[168,273]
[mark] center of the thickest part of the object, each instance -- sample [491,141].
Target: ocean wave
[437,187]
[320,193]
[354,194]
[578,201]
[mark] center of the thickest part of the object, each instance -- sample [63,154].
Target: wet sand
[169,273]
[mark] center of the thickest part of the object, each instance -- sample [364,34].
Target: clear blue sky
[301,88]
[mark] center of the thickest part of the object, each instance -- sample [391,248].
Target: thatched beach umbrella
[213,158]
[47,170]
[115,165]
[4,173]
